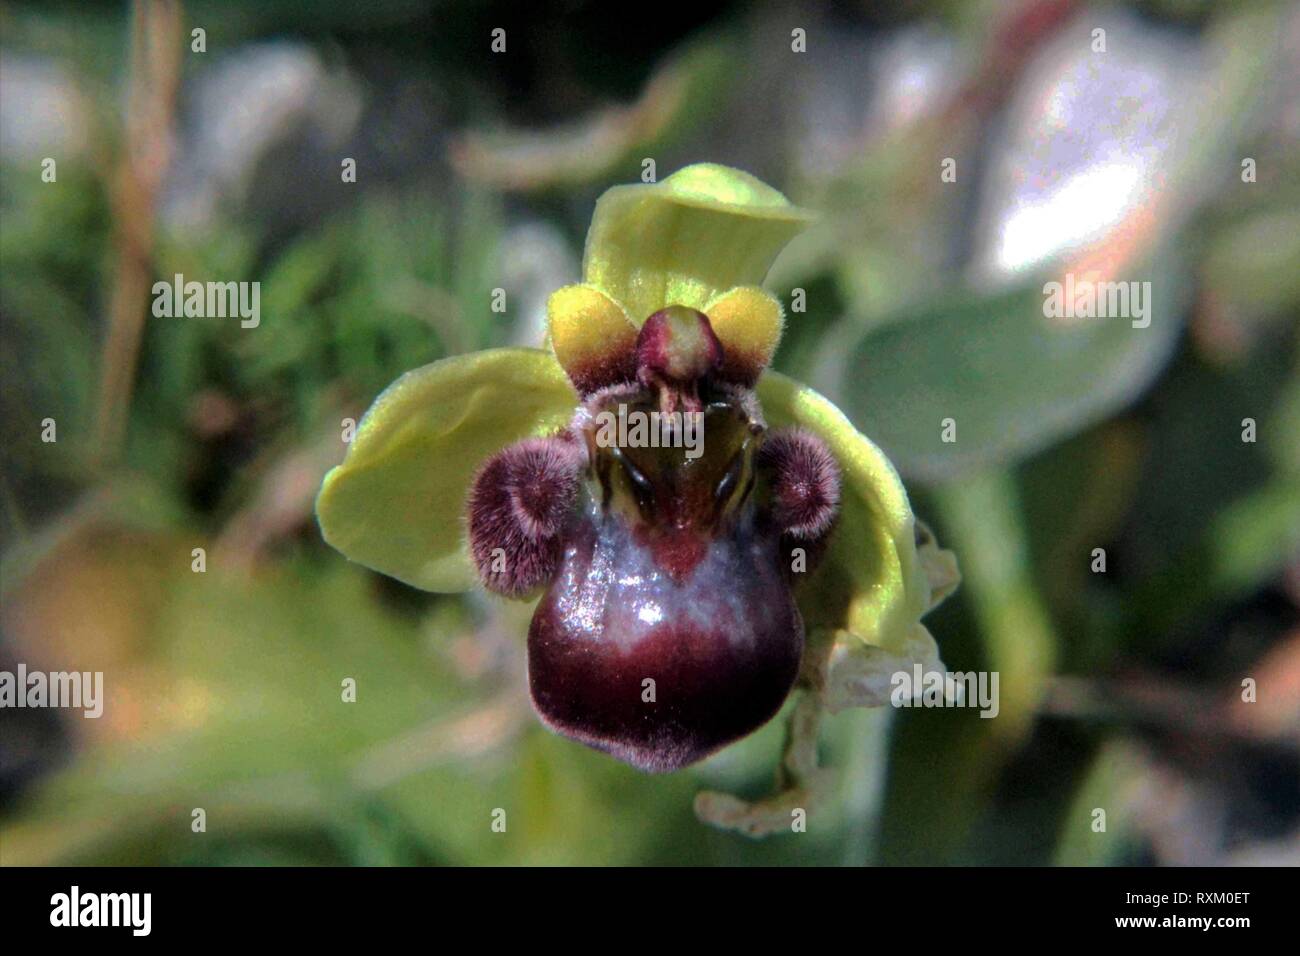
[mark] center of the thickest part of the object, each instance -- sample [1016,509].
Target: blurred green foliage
[225,686]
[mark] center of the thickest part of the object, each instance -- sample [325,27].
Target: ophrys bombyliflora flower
[781,550]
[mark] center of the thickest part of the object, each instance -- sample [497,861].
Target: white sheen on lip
[650,613]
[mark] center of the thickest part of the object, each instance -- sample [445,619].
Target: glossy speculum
[659,527]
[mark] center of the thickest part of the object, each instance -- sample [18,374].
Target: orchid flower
[682,591]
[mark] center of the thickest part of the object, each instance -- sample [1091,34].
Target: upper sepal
[688,239]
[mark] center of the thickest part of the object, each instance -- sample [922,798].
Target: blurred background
[1121,690]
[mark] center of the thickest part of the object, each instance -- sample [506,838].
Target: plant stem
[983,519]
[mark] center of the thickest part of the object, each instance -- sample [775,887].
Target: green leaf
[985,518]
[1012,380]
[396,502]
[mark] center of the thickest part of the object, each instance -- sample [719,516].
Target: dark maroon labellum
[667,628]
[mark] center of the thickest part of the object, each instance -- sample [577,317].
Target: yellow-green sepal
[684,241]
[871,583]
[396,504]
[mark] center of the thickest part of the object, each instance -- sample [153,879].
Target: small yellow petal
[748,321]
[592,336]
